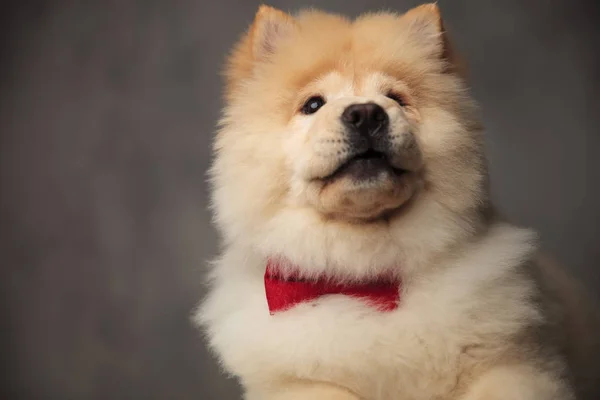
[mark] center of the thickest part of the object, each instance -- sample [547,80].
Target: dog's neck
[286,288]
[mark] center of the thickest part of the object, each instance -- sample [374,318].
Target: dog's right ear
[269,28]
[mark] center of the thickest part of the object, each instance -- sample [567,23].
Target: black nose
[368,118]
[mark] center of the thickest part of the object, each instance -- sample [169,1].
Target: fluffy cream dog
[349,159]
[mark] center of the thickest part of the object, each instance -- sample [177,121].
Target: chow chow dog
[361,256]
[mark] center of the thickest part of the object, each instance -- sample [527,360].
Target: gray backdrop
[106,113]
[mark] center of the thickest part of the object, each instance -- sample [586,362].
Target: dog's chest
[422,350]
[380,355]
[448,321]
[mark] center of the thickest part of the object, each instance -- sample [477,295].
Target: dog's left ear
[426,27]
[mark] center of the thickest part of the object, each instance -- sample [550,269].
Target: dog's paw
[304,391]
[518,383]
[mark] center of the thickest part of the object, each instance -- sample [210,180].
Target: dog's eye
[398,98]
[313,105]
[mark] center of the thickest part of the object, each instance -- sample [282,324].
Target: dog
[361,255]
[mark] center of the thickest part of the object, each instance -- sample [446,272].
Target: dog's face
[353,125]
[352,149]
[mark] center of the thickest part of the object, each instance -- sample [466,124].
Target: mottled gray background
[107,109]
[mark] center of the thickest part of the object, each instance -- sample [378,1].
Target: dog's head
[357,132]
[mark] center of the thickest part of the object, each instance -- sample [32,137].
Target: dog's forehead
[340,83]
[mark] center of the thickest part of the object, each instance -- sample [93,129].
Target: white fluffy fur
[417,351]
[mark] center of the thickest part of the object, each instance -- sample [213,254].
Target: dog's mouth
[366,165]
[369,155]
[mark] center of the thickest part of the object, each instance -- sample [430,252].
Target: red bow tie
[284,293]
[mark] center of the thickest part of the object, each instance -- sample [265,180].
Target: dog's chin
[362,190]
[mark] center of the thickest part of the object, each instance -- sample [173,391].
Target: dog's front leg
[519,382]
[302,391]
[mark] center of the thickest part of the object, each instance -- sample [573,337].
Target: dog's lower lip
[372,158]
